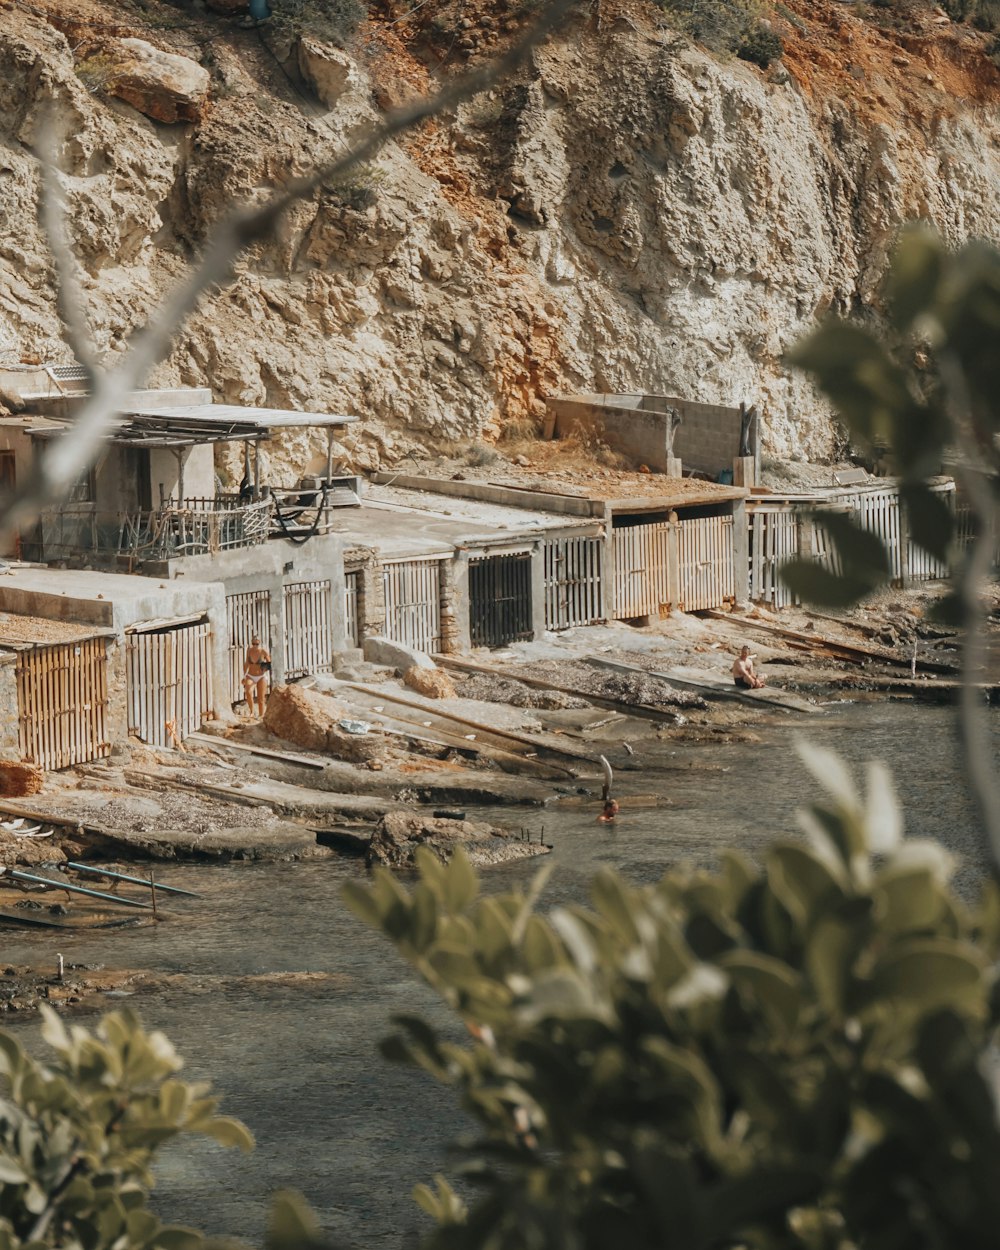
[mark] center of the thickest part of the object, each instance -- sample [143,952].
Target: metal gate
[641,568]
[706,577]
[413,603]
[308,629]
[169,675]
[500,599]
[574,573]
[774,540]
[248,615]
[352,606]
[62,703]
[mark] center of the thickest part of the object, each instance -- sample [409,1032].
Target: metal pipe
[608,778]
[124,876]
[16,875]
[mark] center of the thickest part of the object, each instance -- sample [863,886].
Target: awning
[189,425]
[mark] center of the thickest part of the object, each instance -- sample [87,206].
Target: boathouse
[782,527]
[641,544]
[440,571]
[151,506]
[100,657]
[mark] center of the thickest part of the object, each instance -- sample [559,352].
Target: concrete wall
[10,747]
[707,439]
[271,567]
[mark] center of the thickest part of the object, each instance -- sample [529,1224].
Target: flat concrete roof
[399,522]
[82,584]
[20,632]
[620,492]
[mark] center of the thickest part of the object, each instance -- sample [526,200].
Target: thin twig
[72,454]
[69,291]
[973,723]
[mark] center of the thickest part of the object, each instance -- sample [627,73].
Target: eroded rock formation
[629,213]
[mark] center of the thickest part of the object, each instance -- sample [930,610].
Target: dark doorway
[500,600]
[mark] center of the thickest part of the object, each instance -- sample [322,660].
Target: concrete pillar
[608,580]
[449,609]
[674,467]
[537,591]
[219,653]
[673,560]
[460,601]
[741,551]
[745,472]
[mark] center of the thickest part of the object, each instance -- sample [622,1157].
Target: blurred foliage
[926,385]
[77,1136]
[792,1055]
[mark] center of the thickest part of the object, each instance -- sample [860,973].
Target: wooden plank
[844,650]
[639,710]
[505,739]
[716,687]
[285,757]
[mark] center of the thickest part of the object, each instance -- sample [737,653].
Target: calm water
[301,1068]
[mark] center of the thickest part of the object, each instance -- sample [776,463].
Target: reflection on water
[301,1068]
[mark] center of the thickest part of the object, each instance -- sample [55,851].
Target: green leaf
[929,518]
[776,987]
[930,973]
[229,1132]
[461,884]
[291,1222]
[915,276]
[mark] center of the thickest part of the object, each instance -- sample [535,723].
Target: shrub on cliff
[331,21]
[728,26]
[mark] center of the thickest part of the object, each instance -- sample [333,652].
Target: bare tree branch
[53,216]
[73,454]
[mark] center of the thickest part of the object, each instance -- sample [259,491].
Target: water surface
[301,1068]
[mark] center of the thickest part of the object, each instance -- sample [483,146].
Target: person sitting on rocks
[743,671]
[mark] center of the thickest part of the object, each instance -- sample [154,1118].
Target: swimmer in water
[611,810]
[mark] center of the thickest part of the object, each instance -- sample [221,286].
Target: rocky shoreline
[538,733]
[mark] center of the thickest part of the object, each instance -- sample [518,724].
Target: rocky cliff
[630,213]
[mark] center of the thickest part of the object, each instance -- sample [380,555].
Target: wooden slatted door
[413,603]
[574,574]
[706,577]
[169,674]
[774,539]
[62,703]
[247,615]
[641,563]
[308,629]
[500,599]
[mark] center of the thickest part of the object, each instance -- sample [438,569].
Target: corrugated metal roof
[227,414]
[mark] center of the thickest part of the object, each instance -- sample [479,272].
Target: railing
[192,527]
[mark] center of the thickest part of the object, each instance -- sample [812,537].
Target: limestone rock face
[399,835]
[161,85]
[309,720]
[628,213]
[328,70]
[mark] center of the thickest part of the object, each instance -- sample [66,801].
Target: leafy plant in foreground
[77,1136]
[783,1056]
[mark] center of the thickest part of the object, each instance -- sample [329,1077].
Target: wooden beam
[846,650]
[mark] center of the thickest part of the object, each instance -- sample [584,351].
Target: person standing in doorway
[256,672]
